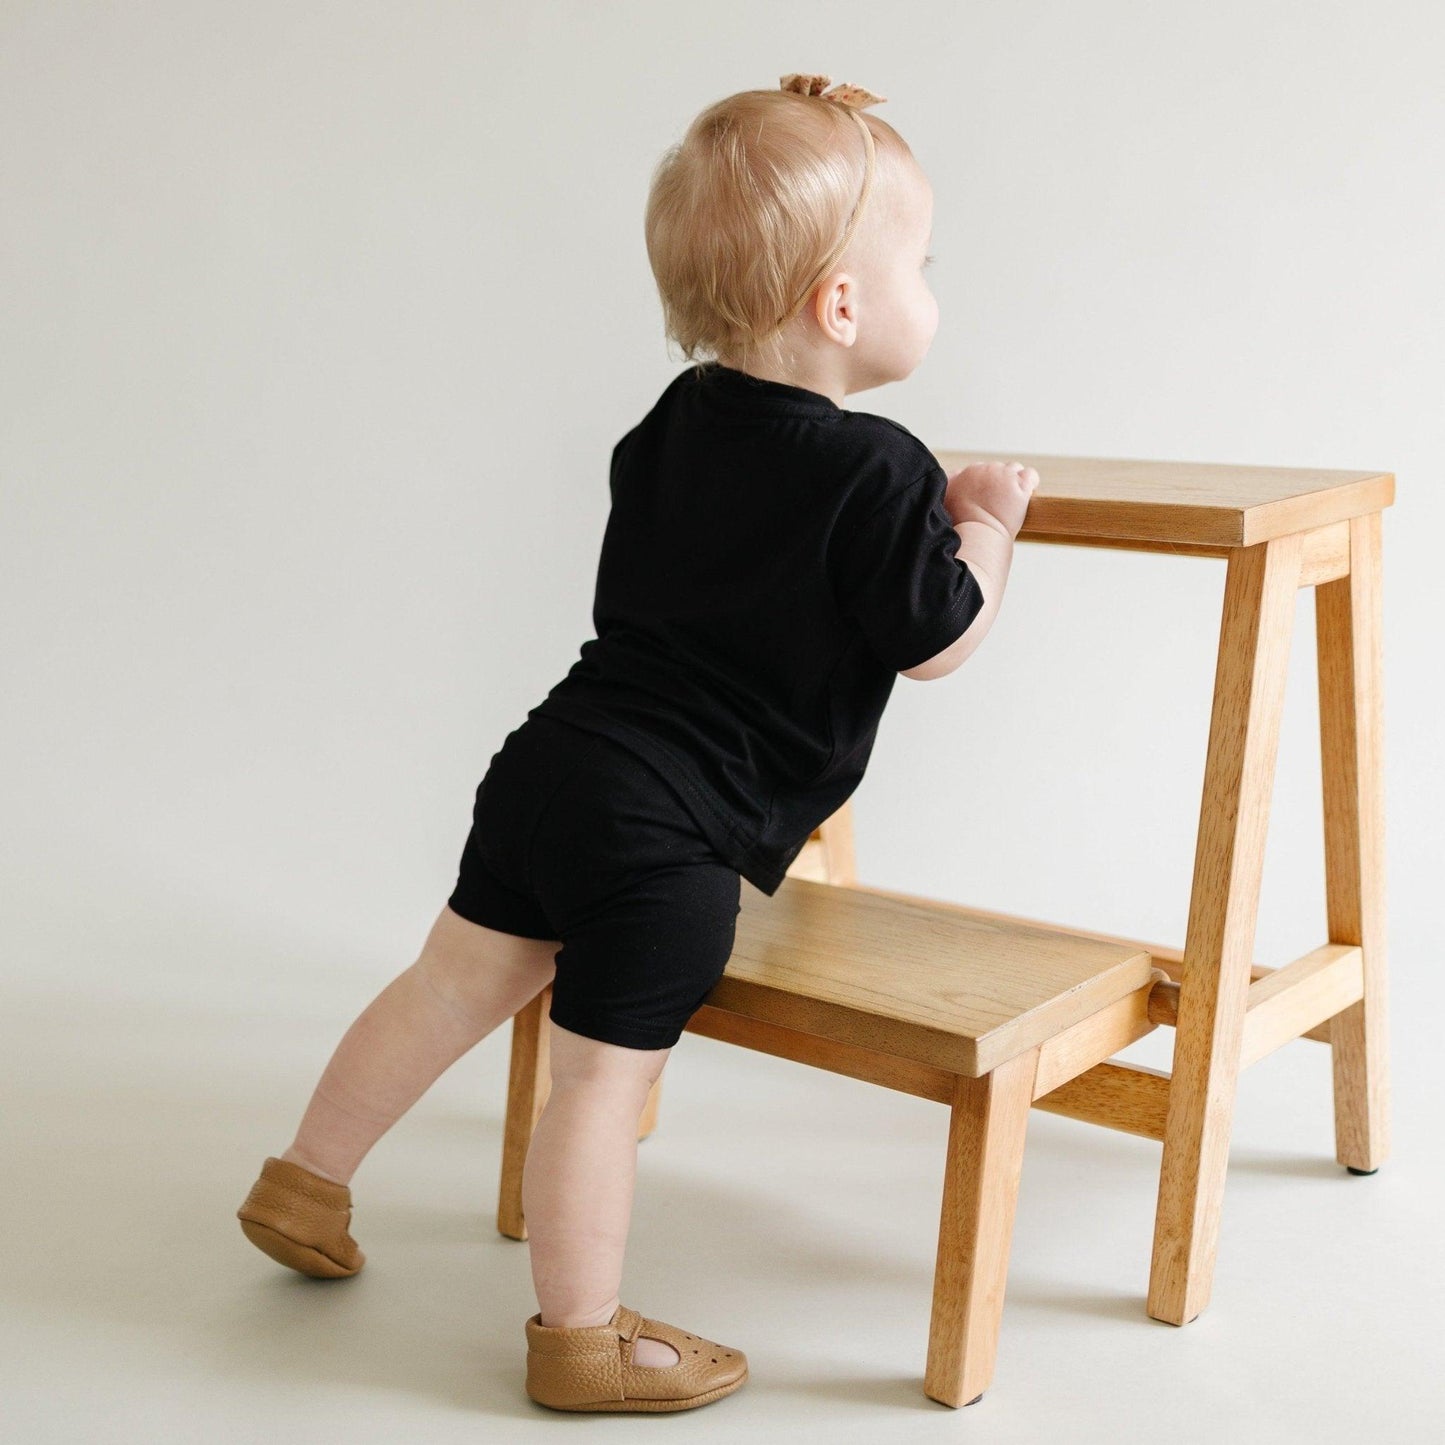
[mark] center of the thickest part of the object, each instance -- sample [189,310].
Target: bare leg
[577,1183]
[467,980]
[578,1180]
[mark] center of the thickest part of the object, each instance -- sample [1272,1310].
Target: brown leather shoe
[301,1219]
[590,1368]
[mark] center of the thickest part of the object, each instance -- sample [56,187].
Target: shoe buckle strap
[628,1323]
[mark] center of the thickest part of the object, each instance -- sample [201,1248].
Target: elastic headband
[853,98]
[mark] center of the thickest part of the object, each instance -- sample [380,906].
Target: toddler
[772,561]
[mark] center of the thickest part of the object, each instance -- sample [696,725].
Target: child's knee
[576,1058]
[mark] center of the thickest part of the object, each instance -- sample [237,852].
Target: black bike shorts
[575,838]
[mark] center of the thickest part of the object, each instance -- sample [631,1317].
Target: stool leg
[1347,627]
[529,1081]
[1259,600]
[837,835]
[648,1121]
[986,1131]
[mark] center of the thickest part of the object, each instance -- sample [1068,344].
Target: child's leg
[577,1183]
[578,1179]
[467,980]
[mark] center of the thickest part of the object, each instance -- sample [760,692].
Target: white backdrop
[318,324]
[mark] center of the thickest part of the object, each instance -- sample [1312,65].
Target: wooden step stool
[991,1013]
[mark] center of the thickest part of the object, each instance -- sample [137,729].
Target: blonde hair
[751,210]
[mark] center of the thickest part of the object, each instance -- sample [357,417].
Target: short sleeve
[898,577]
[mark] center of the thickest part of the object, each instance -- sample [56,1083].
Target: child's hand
[996,493]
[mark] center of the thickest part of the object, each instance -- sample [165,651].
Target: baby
[772,562]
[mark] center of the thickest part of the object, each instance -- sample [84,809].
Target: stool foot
[973,1401]
[1353,1170]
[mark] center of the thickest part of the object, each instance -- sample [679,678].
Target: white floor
[788,1212]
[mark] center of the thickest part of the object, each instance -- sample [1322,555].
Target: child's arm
[988,548]
[987,503]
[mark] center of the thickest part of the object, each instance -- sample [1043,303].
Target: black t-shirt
[770,564]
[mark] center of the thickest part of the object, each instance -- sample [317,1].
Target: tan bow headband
[853,98]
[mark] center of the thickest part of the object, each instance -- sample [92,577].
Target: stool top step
[1106,501]
[927,980]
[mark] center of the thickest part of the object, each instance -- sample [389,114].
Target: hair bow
[853,96]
